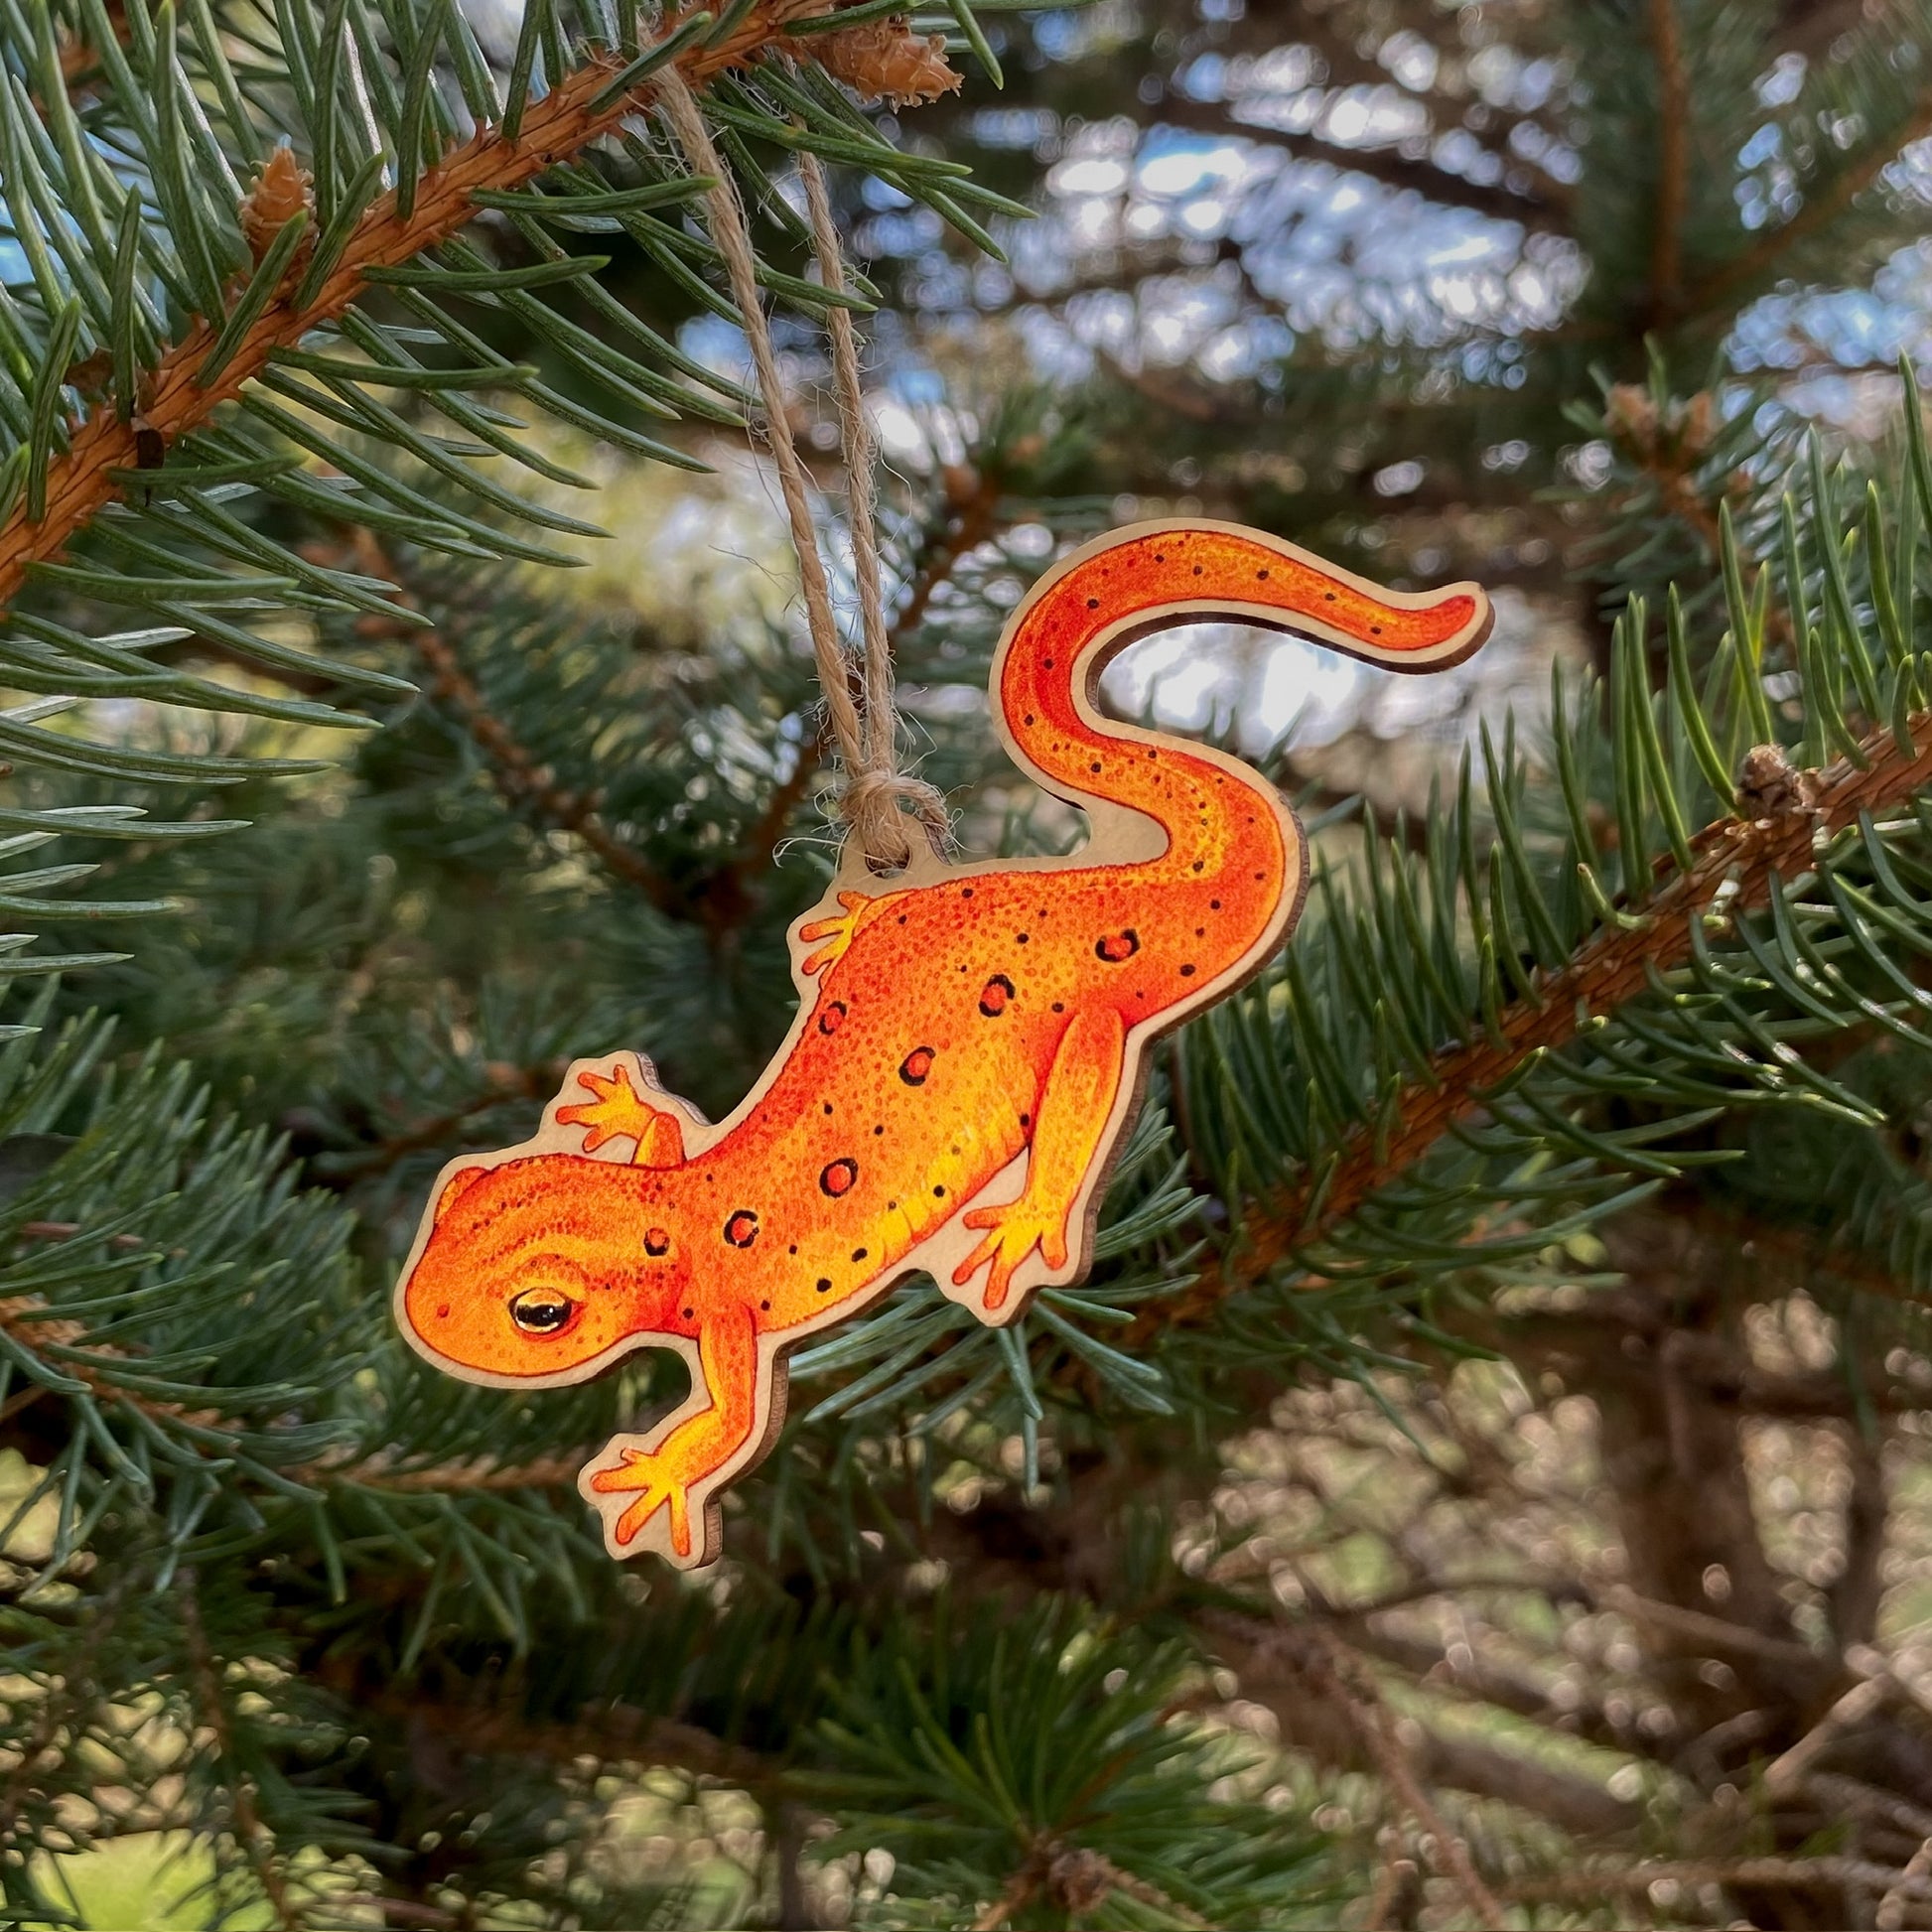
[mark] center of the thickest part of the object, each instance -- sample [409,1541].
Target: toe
[975,1260]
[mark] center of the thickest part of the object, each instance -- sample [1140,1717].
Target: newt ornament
[968,1055]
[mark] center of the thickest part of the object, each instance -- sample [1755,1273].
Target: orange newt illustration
[967,1056]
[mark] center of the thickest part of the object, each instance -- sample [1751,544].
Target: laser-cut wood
[967,1058]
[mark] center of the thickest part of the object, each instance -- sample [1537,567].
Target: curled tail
[1151,574]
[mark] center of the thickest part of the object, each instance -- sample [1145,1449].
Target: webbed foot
[1014,1230]
[839,932]
[620,1112]
[657,1488]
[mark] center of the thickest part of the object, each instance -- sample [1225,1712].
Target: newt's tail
[1151,574]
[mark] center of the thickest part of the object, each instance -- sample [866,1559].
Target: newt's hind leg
[699,1449]
[1075,1107]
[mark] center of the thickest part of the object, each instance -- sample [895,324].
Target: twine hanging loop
[875,795]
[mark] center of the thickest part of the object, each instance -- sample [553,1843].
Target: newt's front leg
[698,1448]
[618,1113]
[1075,1105]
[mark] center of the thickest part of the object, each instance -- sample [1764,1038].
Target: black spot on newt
[993,1001]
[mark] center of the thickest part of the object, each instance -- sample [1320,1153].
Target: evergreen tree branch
[465,1478]
[1280,1667]
[391,232]
[1673,158]
[1077,1881]
[1735,862]
[57,1714]
[1716,290]
[27,1320]
[1531,209]
[1354,1690]
[210,1708]
[527,786]
[1769,1873]
[611,1733]
[506,1082]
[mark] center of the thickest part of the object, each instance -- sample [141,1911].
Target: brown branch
[506,1082]
[1856,1593]
[66,1230]
[1354,1690]
[61,1697]
[1396,1903]
[1917,1874]
[972,517]
[212,1709]
[1273,1670]
[526,783]
[1734,863]
[1770,1263]
[1673,160]
[400,1911]
[81,480]
[611,1733]
[30,1314]
[1819,211]
[1077,1881]
[1772,1875]
[1852,1796]
[1710,1634]
[378,1471]
[479,1478]
[1532,209]
[1790,1769]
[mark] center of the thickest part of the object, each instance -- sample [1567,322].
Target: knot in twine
[875,795]
[875,801]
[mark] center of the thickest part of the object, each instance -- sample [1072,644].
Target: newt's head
[543,1269]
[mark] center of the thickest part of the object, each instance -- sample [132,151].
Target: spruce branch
[1767,1874]
[1735,865]
[210,1704]
[468,1478]
[527,786]
[1673,158]
[1705,297]
[1352,1688]
[399,226]
[1077,1881]
[612,1732]
[505,1082]
[30,1322]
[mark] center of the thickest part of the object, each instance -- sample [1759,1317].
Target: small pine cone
[282,190]
[884,60]
[1632,416]
[1699,429]
[1769,785]
[1080,1880]
[93,375]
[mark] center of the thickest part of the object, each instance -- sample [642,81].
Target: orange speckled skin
[966,1059]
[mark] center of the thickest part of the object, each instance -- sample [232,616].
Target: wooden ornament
[968,1055]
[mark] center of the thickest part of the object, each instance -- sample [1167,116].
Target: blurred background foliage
[1506,1510]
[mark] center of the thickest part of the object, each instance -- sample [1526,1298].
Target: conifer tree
[1461,1274]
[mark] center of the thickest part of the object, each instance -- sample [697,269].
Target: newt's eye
[541,1311]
